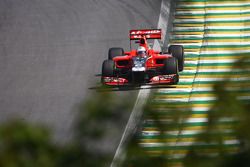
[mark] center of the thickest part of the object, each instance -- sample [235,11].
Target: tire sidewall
[108,68]
[177,51]
[170,66]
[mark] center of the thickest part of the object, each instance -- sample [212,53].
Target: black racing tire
[108,68]
[170,66]
[177,51]
[113,52]
[176,80]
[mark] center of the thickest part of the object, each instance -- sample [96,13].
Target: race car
[143,65]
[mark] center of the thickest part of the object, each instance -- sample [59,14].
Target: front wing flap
[114,81]
[164,79]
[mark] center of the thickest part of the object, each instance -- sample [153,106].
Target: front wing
[156,80]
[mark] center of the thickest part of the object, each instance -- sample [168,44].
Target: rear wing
[148,33]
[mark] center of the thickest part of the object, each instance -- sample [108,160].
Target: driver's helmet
[141,51]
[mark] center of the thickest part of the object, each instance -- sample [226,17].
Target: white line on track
[143,94]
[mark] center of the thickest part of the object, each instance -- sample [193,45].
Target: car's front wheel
[177,51]
[108,68]
[170,66]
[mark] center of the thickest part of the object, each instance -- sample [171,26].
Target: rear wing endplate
[148,33]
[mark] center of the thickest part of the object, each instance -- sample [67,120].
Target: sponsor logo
[140,36]
[162,78]
[141,32]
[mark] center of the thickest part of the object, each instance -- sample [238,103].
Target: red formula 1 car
[143,65]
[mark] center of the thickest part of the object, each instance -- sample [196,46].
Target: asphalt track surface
[52,50]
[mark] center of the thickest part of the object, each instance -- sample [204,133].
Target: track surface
[51,50]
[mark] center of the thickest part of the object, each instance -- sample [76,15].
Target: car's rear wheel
[113,52]
[177,51]
[108,68]
[170,66]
